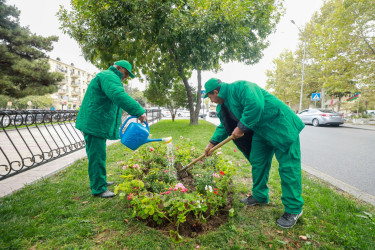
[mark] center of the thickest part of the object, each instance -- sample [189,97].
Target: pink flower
[216,175]
[201,162]
[136,166]
[197,246]
[124,167]
[219,153]
[177,148]
[130,196]
[151,149]
[235,150]
[166,171]
[192,149]
[168,192]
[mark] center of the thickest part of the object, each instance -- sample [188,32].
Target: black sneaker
[251,201]
[288,220]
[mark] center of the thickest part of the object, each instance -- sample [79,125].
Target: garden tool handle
[211,150]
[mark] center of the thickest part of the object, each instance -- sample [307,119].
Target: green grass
[60,212]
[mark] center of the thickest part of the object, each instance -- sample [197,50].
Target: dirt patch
[105,236]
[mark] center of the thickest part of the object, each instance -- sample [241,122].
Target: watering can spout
[136,135]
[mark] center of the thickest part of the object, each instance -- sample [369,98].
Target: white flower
[210,188]
[181,137]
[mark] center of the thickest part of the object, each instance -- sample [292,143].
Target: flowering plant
[151,188]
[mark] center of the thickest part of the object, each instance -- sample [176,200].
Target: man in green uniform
[99,119]
[261,126]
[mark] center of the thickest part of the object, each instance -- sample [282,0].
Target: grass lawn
[60,212]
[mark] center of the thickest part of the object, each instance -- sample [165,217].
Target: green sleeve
[252,101]
[113,88]
[219,135]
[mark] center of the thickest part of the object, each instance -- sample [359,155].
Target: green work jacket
[100,112]
[259,111]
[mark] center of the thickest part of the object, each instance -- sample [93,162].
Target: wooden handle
[211,150]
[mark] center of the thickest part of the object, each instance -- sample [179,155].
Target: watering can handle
[123,125]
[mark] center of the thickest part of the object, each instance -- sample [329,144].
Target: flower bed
[185,207]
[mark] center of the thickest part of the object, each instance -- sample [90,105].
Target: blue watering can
[136,135]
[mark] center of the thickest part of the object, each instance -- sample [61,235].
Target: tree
[176,35]
[23,64]
[172,96]
[284,81]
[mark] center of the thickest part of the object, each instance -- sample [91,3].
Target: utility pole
[303,64]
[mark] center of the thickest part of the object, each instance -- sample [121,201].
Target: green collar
[223,93]
[116,71]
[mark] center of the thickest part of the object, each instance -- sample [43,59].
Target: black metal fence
[29,139]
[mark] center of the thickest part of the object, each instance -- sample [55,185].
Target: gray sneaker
[251,201]
[288,220]
[110,183]
[105,194]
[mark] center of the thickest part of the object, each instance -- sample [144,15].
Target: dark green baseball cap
[210,85]
[125,64]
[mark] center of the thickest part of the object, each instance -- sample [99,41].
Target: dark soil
[192,228]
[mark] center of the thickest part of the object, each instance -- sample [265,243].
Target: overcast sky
[40,16]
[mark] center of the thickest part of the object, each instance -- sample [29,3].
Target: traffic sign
[203,93]
[315,96]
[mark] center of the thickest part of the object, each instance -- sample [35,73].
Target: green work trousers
[96,154]
[289,170]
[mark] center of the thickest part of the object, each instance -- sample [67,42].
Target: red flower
[235,150]
[130,196]
[168,192]
[215,192]
[151,149]
[222,173]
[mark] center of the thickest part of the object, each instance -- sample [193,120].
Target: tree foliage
[340,54]
[23,64]
[175,35]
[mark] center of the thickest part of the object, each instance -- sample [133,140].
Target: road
[344,153]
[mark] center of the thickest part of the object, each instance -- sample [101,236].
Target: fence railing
[29,139]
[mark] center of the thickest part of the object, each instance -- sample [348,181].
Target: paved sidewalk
[365,126]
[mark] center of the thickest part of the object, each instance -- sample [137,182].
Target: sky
[40,17]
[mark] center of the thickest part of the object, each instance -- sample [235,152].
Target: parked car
[165,113]
[212,113]
[202,115]
[318,117]
[182,113]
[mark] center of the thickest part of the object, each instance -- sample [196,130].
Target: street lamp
[303,64]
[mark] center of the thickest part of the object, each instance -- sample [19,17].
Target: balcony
[62,91]
[75,93]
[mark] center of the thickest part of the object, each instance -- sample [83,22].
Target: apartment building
[72,88]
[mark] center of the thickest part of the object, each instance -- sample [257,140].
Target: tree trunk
[339,104]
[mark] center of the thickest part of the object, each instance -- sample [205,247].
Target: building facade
[72,88]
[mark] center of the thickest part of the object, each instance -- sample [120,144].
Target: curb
[359,194]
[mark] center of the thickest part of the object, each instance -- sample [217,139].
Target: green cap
[210,85]
[125,64]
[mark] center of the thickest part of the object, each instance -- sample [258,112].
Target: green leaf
[175,237]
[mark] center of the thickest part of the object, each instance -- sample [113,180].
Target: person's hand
[207,150]
[142,118]
[237,133]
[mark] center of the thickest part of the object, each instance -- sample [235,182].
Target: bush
[152,189]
